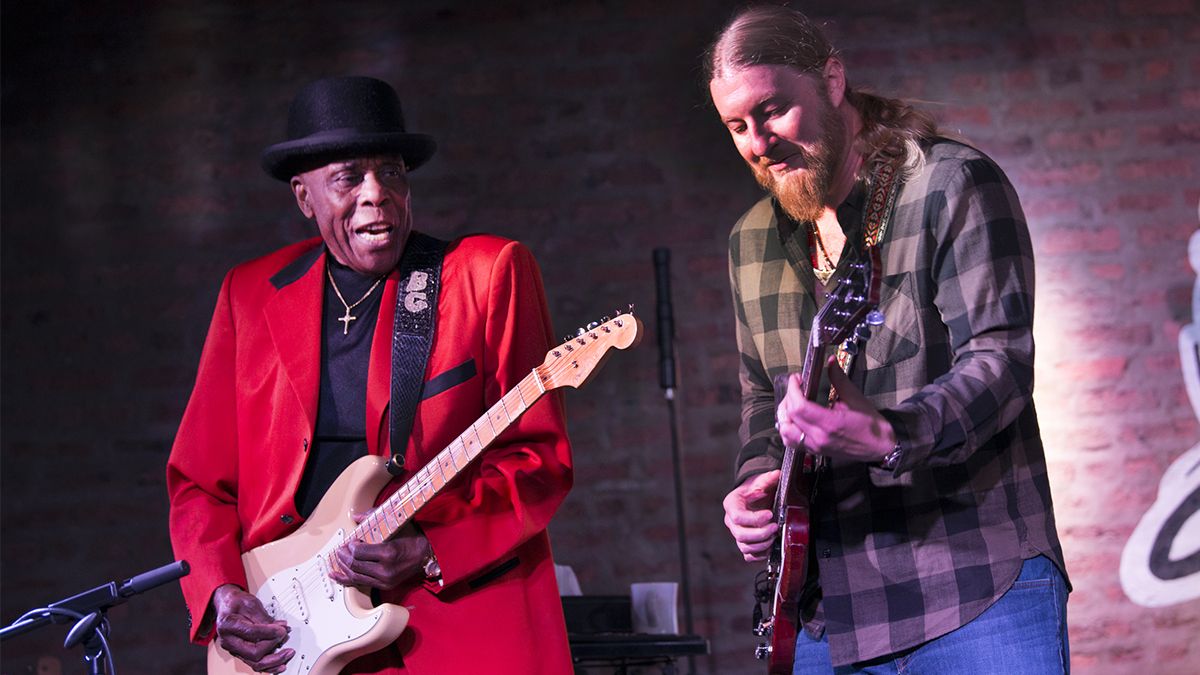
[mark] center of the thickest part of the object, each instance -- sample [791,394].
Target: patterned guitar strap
[412,336]
[884,184]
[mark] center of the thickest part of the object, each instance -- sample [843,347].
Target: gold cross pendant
[346,322]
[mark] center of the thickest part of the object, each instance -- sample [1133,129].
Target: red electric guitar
[844,317]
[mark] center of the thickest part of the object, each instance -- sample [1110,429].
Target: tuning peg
[592,325]
[850,347]
[578,332]
[863,332]
[874,318]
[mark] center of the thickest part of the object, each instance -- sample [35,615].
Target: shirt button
[305,443]
[287,519]
[825,553]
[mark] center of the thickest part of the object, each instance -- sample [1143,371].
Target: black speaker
[591,614]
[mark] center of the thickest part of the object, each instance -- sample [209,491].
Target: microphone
[155,577]
[666,321]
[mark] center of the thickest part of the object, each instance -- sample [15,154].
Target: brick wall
[130,184]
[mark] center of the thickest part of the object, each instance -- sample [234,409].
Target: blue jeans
[1024,633]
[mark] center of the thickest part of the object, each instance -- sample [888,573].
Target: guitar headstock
[851,303]
[574,361]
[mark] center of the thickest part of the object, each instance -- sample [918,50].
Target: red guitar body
[839,321]
[794,536]
[788,564]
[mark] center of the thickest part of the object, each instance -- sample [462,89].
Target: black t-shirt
[341,435]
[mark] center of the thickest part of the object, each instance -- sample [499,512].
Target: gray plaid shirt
[907,555]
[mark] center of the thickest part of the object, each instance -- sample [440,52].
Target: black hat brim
[284,160]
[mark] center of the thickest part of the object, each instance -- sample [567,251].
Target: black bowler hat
[340,118]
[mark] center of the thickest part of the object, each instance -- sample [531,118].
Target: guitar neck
[814,361]
[387,519]
[810,384]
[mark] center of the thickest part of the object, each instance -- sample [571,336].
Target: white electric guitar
[333,624]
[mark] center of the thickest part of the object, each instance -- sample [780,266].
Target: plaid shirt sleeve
[771,303]
[981,269]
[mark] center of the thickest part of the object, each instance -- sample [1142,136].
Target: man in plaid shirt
[933,542]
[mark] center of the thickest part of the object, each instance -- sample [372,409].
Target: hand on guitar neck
[850,429]
[383,566]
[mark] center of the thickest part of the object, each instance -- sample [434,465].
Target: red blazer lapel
[379,372]
[294,320]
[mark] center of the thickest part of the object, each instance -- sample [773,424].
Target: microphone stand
[88,611]
[666,378]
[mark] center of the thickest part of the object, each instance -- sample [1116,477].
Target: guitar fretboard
[429,480]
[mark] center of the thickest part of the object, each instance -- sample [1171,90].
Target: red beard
[802,192]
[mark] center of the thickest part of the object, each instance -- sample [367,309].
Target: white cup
[654,607]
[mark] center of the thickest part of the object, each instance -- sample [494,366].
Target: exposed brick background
[131,183]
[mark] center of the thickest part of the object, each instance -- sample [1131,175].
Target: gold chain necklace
[348,317]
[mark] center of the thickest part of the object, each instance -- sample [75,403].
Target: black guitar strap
[412,336]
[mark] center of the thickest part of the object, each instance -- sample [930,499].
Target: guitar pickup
[272,607]
[327,583]
[301,607]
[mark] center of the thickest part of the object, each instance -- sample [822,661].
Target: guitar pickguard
[330,623]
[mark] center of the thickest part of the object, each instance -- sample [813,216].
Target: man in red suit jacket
[294,384]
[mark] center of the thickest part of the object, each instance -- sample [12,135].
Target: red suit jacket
[240,451]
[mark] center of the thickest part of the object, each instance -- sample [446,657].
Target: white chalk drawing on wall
[1161,562]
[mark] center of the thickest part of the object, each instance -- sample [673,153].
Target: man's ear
[834,74]
[301,191]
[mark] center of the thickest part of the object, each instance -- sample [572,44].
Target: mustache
[794,151]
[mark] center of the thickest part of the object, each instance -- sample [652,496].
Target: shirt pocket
[899,338]
[449,379]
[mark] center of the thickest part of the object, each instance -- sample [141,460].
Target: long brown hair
[774,35]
